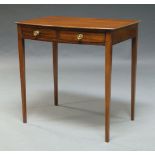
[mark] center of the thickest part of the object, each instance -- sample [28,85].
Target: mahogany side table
[94,31]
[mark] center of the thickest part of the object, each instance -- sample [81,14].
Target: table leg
[108,68]
[21,50]
[55,71]
[133,75]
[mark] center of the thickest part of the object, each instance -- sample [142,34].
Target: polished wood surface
[45,34]
[124,34]
[62,36]
[55,71]
[21,51]
[91,31]
[133,75]
[88,37]
[108,68]
[82,23]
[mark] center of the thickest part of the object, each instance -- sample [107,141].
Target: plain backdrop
[78,123]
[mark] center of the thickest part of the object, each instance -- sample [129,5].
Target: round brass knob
[79,36]
[36,33]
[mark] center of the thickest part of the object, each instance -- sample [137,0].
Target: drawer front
[38,33]
[81,37]
[62,36]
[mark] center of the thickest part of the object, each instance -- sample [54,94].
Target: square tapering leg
[21,50]
[133,75]
[55,72]
[108,69]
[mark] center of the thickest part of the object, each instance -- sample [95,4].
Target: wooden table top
[82,23]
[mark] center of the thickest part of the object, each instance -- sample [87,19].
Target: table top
[82,23]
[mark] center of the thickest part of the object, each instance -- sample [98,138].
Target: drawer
[38,33]
[81,37]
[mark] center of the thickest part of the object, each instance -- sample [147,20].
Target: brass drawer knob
[36,33]
[79,36]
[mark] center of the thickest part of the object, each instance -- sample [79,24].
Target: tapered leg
[21,50]
[133,75]
[108,68]
[55,71]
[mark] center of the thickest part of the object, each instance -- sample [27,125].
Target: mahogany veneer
[95,31]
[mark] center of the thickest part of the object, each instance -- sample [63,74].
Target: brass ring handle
[79,37]
[36,33]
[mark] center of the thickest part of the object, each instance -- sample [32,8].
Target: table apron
[77,36]
[62,36]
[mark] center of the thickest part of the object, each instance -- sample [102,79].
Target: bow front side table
[92,31]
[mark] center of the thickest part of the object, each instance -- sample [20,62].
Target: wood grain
[108,69]
[124,34]
[82,23]
[21,51]
[133,74]
[88,37]
[55,71]
[95,31]
[55,35]
[45,34]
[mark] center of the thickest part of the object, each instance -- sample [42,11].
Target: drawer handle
[36,33]
[79,36]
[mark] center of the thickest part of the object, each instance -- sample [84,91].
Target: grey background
[78,123]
